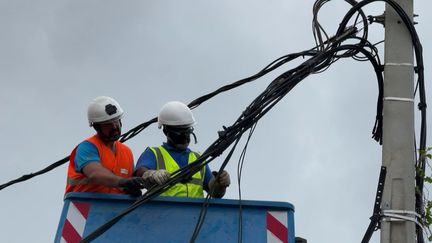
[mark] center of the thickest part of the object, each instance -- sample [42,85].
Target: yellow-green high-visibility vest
[193,188]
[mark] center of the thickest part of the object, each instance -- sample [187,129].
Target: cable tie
[222,134]
[404,215]
[401,212]
[397,217]
[399,64]
[422,105]
[390,98]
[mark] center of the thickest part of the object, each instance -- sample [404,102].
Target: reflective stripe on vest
[193,188]
[74,182]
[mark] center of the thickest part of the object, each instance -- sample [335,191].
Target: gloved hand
[218,184]
[132,185]
[224,179]
[156,176]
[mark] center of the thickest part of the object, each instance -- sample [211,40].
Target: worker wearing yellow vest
[101,163]
[156,164]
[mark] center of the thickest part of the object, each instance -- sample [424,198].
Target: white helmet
[102,109]
[175,113]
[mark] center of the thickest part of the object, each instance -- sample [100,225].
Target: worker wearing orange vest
[101,163]
[156,164]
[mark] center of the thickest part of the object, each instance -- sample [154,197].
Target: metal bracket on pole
[376,217]
[380,19]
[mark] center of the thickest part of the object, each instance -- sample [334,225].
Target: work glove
[223,179]
[218,184]
[132,186]
[158,177]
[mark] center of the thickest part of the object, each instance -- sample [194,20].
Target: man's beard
[113,135]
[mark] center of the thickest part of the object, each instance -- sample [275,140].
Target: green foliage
[428,216]
[427,154]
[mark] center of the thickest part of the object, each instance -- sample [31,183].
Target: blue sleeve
[147,159]
[86,152]
[208,175]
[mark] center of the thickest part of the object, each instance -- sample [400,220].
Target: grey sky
[314,149]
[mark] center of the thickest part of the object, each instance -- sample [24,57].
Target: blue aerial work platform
[173,219]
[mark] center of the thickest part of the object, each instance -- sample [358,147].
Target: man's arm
[97,174]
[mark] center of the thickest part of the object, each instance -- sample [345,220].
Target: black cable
[204,208]
[206,203]
[422,105]
[176,177]
[318,61]
[277,89]
[252,111]
[201,217]
[239,176]
[272,95]
[150,194]
[31,175]
[317,28]
[195,103]
[376,215]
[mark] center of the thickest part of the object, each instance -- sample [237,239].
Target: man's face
[110,131]
[179,137]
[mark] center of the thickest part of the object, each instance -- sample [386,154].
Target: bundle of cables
[319,58]
[276,90]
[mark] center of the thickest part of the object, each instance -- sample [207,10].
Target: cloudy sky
[313,149]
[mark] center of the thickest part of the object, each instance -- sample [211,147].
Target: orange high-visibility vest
[120,164]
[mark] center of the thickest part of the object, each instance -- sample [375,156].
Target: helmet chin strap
[195,139]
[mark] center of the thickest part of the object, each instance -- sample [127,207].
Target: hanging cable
[264,102]
[239,176]
[418,50]
[31,175]
[320,58]
[206,203]
[277,89]
[195,103]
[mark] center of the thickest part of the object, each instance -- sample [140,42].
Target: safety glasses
[181,131]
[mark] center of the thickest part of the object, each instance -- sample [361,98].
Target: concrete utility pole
[398,151]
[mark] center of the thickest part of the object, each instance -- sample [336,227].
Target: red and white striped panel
[75,221]
[277,229]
